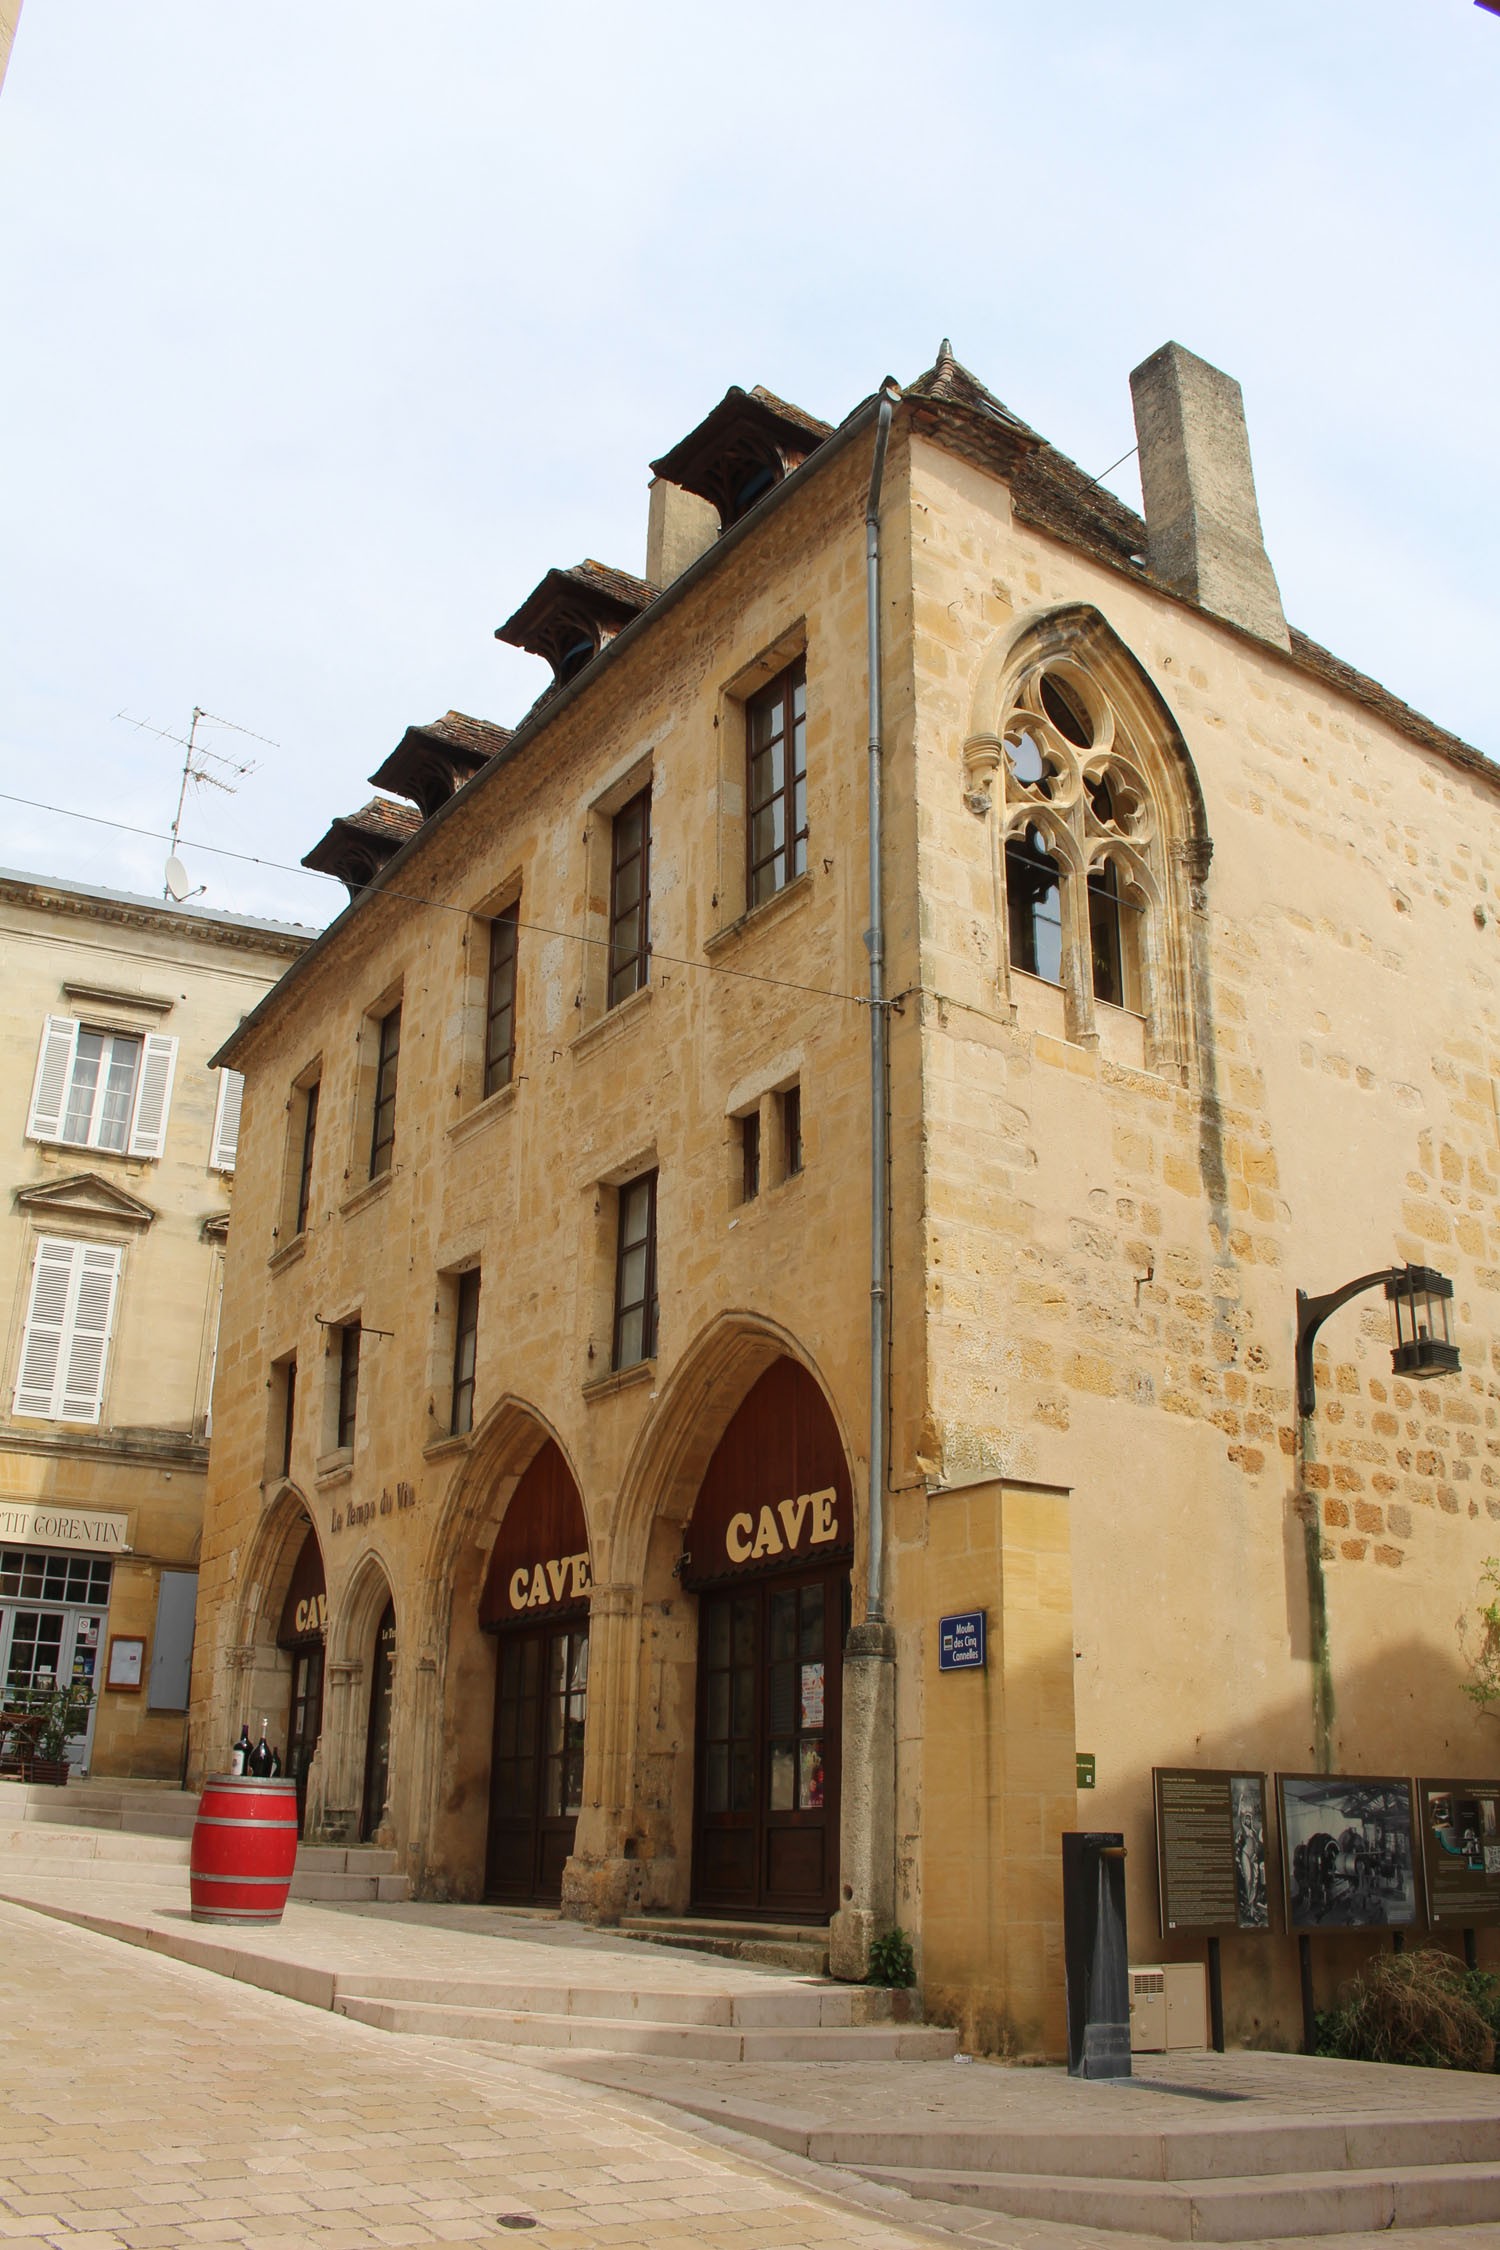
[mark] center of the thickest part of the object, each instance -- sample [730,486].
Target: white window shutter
[87,1344]
[46,1326]
[153,1094]
[227,1121]
[54,1073]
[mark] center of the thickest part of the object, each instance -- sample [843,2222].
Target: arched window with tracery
[1100,847]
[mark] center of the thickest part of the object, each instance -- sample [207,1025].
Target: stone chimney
[679,528]
[1203,534]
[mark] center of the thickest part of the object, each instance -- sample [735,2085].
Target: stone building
[540,1504]
[121,1144]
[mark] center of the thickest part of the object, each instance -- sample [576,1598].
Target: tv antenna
[197,770]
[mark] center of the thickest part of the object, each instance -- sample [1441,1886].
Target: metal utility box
[1169,2008]
[1148,2011]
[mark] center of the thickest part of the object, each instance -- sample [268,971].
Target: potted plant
[40,1724]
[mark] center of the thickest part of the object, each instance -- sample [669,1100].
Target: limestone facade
[121,1171]
[1191,955]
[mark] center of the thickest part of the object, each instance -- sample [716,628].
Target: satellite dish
[178,882]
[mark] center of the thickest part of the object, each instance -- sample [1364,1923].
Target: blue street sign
[961,1642]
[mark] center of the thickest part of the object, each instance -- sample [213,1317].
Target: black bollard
[1096,1955]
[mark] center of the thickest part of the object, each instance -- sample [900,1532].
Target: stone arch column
[632,1851]
[352,1627]
[447,1707]
[256,1672]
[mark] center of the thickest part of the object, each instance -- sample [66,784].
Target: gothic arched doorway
[767,1552]
[303,1631]
[536,1602]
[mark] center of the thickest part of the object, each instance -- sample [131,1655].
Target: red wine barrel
[244,1849]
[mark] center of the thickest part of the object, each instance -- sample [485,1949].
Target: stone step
[38,1844]
[802,1947]
[799,2006]
[345,1859]
[646,2034]
[1180,2153]
[1267,2206]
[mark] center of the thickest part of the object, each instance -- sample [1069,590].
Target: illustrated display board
[1348,1851]
[1211,1849]
[1460,1823]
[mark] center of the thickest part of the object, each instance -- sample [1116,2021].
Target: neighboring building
[10,16]
[122,1155]
[538,1517]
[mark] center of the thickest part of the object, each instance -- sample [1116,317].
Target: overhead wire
[442,906]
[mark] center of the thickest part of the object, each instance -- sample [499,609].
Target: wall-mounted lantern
[1421,1325]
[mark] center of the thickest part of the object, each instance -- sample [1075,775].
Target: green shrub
[1422,2007]
[891,1960]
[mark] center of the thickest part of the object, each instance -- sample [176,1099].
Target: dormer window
[431,764]
[573,614]
[356,847]
[741,451]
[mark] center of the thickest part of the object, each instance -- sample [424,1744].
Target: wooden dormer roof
[571,608]
[742,450]
[431,762]
[358,845]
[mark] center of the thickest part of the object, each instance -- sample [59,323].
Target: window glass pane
[718,1633]
[783,1698]
[783,1777]
[744,1632]
[742,1787]
[1034,907]
[716,1777]
[812,1622]
[632,1332]
[783,1626]
[742,1714]
[718,1706]
[86,1063]
[810,1774]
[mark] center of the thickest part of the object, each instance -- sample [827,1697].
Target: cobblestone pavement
[149,2104]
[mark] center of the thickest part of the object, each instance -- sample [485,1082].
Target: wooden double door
[770,1700]
[536,1769]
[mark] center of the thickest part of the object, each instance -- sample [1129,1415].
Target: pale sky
[331,325]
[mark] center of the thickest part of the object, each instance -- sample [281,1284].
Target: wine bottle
[275,1765]
[239,1762]
[260,1757]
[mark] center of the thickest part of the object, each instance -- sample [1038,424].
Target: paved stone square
[149,2104]
[152,2103]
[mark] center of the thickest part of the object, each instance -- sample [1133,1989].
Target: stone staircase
[771,1945]
[1250,2183]
[135,1837]
[787,2021]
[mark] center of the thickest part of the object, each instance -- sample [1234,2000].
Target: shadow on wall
[1403,1715]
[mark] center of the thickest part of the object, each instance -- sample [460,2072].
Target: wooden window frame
[750,1138]
[500,999]
[288,1413]
[772,871]
[348,1395]
[465,1352]
[791,1131]
[646,1303]
[305,1165]
[628,973]
[387,1075]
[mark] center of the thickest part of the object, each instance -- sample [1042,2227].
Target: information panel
[1211,1849]
[1460,1824]
[1347,1851]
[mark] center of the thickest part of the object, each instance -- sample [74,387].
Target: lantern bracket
[1430,1358]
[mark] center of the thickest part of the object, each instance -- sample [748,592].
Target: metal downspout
[879,1065]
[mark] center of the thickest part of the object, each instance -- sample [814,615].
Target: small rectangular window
[383,1127]
[465,1348]
[776,797]
[791,1130]
[630,899]
[500,1005]
[348,1382]
[288,1415]
[305,1164]
[750,1157]
[635,1274]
